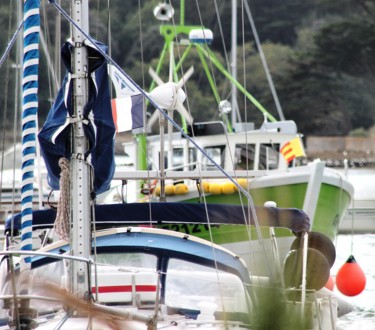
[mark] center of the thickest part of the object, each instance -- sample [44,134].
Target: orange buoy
[330,283]
[350,279]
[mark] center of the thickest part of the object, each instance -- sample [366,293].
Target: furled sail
[99,126]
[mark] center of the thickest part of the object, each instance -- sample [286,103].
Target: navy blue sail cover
[54,137]
[113,215]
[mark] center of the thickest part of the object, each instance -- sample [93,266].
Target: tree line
[321,55]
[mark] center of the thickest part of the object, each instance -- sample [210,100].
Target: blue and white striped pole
[29,119]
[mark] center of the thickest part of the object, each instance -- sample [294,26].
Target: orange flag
[293,149]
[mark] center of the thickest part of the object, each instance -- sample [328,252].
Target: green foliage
[359,132]
[347,46]
[320,53]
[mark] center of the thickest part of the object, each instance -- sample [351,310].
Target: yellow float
[169,190]
[181,189]
[215,188]
[244,183]
[228,188]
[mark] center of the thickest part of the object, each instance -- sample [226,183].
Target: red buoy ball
[330,283]
[350,279]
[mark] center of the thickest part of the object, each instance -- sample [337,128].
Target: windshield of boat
[134,279]
[178,160]
[245,157]
[195,287]
[216,153]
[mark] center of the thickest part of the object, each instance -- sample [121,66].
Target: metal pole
[80,168]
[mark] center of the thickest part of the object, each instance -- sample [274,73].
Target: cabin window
[178,159]
[244,156]
[132,260]
[178,163]
[217,153]
[188,284]
[269,156]
[192,159]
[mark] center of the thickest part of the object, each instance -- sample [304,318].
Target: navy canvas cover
[54,137]
[113,215]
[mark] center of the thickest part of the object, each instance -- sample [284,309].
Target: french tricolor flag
[127,112]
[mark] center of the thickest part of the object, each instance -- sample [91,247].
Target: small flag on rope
[127,112]
[292,149]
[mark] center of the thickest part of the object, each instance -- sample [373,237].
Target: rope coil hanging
[62,225]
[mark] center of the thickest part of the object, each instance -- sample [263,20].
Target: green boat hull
[331,206]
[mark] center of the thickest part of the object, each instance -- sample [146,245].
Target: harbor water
[362,247]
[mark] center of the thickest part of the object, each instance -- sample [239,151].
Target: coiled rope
[62,224]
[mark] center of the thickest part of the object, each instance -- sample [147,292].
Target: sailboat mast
[79,166]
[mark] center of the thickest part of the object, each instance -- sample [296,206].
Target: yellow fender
[215,188]
[181,189]
[244,183]
[228,188]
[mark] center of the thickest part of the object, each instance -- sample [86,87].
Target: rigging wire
[245,106]
[6,90]
[57,58]
[143,86]
[97,18]
[197,146]
[250,201]
[264,62]
[212,71]
[45,41]
[17,101]
[200,174]
[109,38]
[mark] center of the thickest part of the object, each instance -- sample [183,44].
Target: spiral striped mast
[29,119]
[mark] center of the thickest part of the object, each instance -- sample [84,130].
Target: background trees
[321,54]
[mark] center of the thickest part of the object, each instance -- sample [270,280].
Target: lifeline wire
[10,44]
[110,60]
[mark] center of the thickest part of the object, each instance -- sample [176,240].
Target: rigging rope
[62,226]
[10,44]
[5,94]
[29,117]
[179,129]
[264,62]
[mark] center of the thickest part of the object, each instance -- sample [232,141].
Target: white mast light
[163,12]
[225,106]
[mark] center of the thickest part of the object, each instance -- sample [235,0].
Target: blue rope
[29,119]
